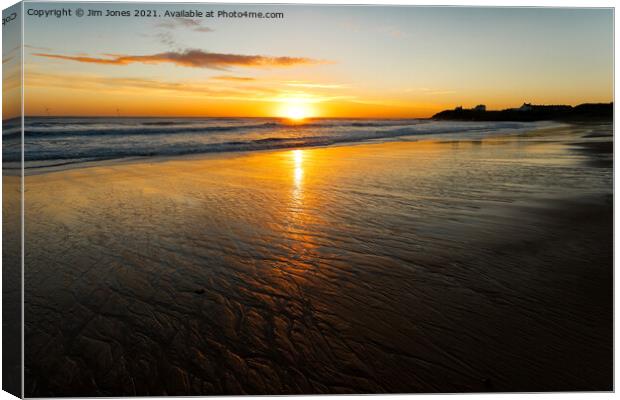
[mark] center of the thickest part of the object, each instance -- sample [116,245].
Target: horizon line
[282,118]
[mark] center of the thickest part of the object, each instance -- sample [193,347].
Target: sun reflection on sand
[298,178]
[301,216]
[298,158]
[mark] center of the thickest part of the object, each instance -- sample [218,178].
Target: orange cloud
[100,84]
[233,78]
[192,58]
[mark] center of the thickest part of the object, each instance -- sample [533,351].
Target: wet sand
[398,267]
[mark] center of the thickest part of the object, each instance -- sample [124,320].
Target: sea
[67,141]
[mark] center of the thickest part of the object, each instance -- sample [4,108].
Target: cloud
[28,46]
[192,24]
[191,58]
[203,29]
[430,91]
[98,83]
[12,78]
[165,33]
[233,78]
[213,90]
[392,31]
[10,55]
[166,38]
[312,85]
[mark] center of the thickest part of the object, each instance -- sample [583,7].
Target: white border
[479,3]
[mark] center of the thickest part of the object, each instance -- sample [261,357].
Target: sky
[317,61]
[11,65]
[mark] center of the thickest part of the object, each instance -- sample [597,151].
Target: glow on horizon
[295,110]
[320,61]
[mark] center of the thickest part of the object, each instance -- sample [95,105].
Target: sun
[295,110]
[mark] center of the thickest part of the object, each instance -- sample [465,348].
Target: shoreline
[431,137]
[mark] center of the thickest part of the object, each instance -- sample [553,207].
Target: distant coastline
[525,113]
[530,112]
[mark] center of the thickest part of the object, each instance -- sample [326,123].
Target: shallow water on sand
[396,267]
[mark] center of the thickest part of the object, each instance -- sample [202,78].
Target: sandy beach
[409,266]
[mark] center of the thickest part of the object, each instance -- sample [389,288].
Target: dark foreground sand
[399,267]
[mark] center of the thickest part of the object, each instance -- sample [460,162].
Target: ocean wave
[98,127]
[120,144]
[139,130]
